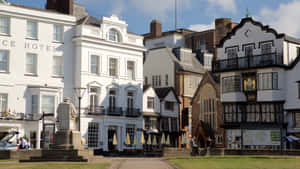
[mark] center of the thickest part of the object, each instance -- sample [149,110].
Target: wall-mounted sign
[27,45]
[261,137]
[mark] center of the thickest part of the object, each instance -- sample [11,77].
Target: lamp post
[79,93]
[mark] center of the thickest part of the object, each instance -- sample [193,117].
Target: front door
[111,133]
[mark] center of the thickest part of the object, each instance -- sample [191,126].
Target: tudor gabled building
[252,63]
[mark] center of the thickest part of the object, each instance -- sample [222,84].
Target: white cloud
[284,19]
[201,27]
[226,5]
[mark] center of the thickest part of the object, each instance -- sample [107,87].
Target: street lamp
[79,93]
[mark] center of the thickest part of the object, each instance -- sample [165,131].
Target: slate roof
[163,92]
[190,65]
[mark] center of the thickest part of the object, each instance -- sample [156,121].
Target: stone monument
[67,137]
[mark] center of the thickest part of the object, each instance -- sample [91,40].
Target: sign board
[261,137]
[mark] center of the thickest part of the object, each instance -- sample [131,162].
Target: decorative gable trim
[242,23]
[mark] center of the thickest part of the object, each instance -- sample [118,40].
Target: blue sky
[194,14]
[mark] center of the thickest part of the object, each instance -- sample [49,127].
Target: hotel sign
[27,45]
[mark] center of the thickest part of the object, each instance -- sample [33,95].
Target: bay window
[34,104]
[3,61]
[231,84]
[58,65]
[32,28]
[48,104]
[4,25]
[268,81]
[31,63]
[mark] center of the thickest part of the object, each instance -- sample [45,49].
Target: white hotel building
[45,54]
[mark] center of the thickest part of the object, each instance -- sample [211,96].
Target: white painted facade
[20,86]
[93,40]
[171,41]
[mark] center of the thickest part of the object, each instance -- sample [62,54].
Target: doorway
[112,131]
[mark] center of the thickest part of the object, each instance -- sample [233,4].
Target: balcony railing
[132,112]
[96,110]
[114,111]
[248,62]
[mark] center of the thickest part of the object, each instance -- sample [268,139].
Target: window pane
[130,70]
[57,33]
[113,63]
[48,106]
[3,102]
[31,63]
[4,61]
[57,65]
[93,131]
[94,64]
[114,36]
[4,25]
[34,104]
[31,29]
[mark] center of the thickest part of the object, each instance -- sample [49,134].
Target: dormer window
[114,35]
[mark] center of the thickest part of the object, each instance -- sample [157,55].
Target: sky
[283,15]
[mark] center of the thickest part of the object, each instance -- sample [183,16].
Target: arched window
[114,35]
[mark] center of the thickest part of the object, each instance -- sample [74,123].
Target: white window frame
[116,67]
[58,36]
[132,76]
[42,103]
[34,64]
[7,60]
[34,106]
[30,32]
[5,97]
[96,65]
[114,35]
[7,27]
[55,67]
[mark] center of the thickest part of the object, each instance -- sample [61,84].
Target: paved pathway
[140,163]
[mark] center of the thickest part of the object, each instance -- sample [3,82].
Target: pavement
[140,163]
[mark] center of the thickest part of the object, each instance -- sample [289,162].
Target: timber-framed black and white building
[259,87]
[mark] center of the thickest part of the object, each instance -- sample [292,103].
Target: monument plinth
[67,137]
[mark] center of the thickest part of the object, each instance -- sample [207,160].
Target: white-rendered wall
[171,41]
[255,35]
[151,93]
[158,62]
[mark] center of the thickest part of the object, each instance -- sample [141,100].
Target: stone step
[58,157]
[53,160]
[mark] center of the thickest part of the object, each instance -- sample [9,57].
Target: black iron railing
[96,110]
[254,61]
[114,111]
[133,112]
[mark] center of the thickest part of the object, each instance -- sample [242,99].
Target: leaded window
[93,132]
[268,81]
[231,84]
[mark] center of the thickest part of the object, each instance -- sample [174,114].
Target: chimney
[155,29]
[223,26]
[62,6]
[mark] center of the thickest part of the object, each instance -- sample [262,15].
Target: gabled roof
[211,78]
[163,92]
[145,88]
[263,27]
[193,65]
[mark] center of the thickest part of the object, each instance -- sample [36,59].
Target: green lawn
[237,163]
[53,166]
